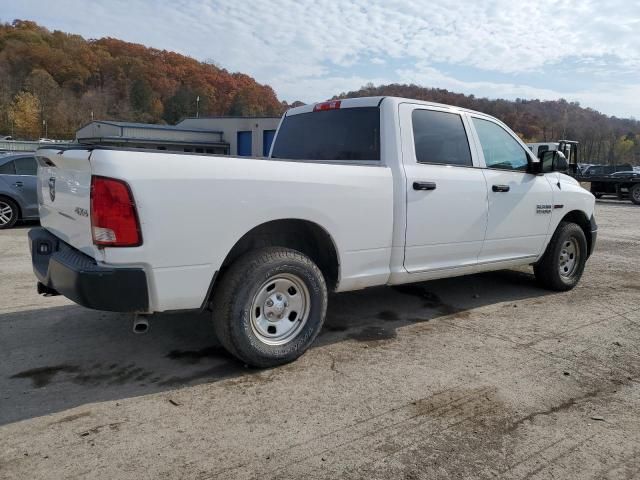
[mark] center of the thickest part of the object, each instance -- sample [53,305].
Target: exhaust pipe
[140,324]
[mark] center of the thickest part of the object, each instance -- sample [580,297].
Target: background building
[245,136]
[151,136]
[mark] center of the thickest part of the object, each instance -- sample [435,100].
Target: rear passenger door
[520,203]
[446,192]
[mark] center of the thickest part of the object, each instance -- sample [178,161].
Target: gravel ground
[477,377]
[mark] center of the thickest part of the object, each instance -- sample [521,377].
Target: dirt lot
[479,377]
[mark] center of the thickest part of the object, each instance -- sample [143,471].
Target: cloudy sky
[309,50]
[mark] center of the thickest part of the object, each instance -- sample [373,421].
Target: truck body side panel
[193,209]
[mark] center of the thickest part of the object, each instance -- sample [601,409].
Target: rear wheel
[270,306]
[8,213]
[562,264]
[634,194]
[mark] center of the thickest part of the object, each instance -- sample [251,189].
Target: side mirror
[534,168]
[560,163]
[553,161]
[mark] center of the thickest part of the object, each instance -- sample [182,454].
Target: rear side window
[7,168]
[341,134]
[500,149]
[26,166]
[440,137]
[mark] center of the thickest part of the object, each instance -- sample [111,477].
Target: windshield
[340,134]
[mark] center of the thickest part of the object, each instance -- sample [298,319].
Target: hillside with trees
[603,139]
[66,81]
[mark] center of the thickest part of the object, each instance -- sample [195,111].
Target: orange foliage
[118,80]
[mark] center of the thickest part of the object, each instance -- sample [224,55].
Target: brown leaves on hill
[67,80]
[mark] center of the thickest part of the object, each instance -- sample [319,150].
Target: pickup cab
[355,193]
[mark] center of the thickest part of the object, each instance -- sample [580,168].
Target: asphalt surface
[486,376]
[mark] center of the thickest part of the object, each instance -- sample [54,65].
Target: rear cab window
[440,138]
[344,134]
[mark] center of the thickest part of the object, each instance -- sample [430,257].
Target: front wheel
[270,306]
[562,264]
[634,194]
[8,213]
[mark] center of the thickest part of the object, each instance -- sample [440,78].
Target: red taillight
[114,220]
[332,105]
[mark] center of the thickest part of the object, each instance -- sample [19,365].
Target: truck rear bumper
[61,269]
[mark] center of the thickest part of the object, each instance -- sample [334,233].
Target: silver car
[18,188]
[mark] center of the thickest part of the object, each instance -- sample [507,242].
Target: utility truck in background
[355,193]
[619,180]
[568,148]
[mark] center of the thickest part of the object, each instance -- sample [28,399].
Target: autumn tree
[141,95]
[180,105]
[24,113]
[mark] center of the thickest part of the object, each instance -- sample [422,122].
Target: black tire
[239,287]
[6,204]
[597,195]
[547,270]
[634,194]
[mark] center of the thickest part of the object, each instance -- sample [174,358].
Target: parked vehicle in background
[619,180]
[599,170]
[18,189]
[356,193]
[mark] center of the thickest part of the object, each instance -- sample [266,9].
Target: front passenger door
[520,203]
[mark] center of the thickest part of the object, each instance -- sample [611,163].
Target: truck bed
[193,208]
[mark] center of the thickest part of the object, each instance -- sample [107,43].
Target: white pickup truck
[355,193]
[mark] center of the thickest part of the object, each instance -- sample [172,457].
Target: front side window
[7,168]
[500,149]
[439,137]
[26,166]
[340,134]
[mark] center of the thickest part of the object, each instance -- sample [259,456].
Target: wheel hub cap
[280,309]
[275,306]
[569,254]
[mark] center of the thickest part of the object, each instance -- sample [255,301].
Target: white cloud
[606,97]
[304,48]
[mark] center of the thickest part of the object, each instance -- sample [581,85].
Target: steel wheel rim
[6,213]
[636,194]
[569,257]
[280,309]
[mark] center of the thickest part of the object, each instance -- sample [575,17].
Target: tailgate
[64,187]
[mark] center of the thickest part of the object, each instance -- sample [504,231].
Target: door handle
[500,188]
[18,184]
[424,185]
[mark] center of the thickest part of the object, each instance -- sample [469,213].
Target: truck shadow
[58,358]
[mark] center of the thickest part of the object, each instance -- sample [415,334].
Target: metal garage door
[267,139]
[244,144]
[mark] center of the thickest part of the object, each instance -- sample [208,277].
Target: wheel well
[580,218]
[14,201]
[301,235]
